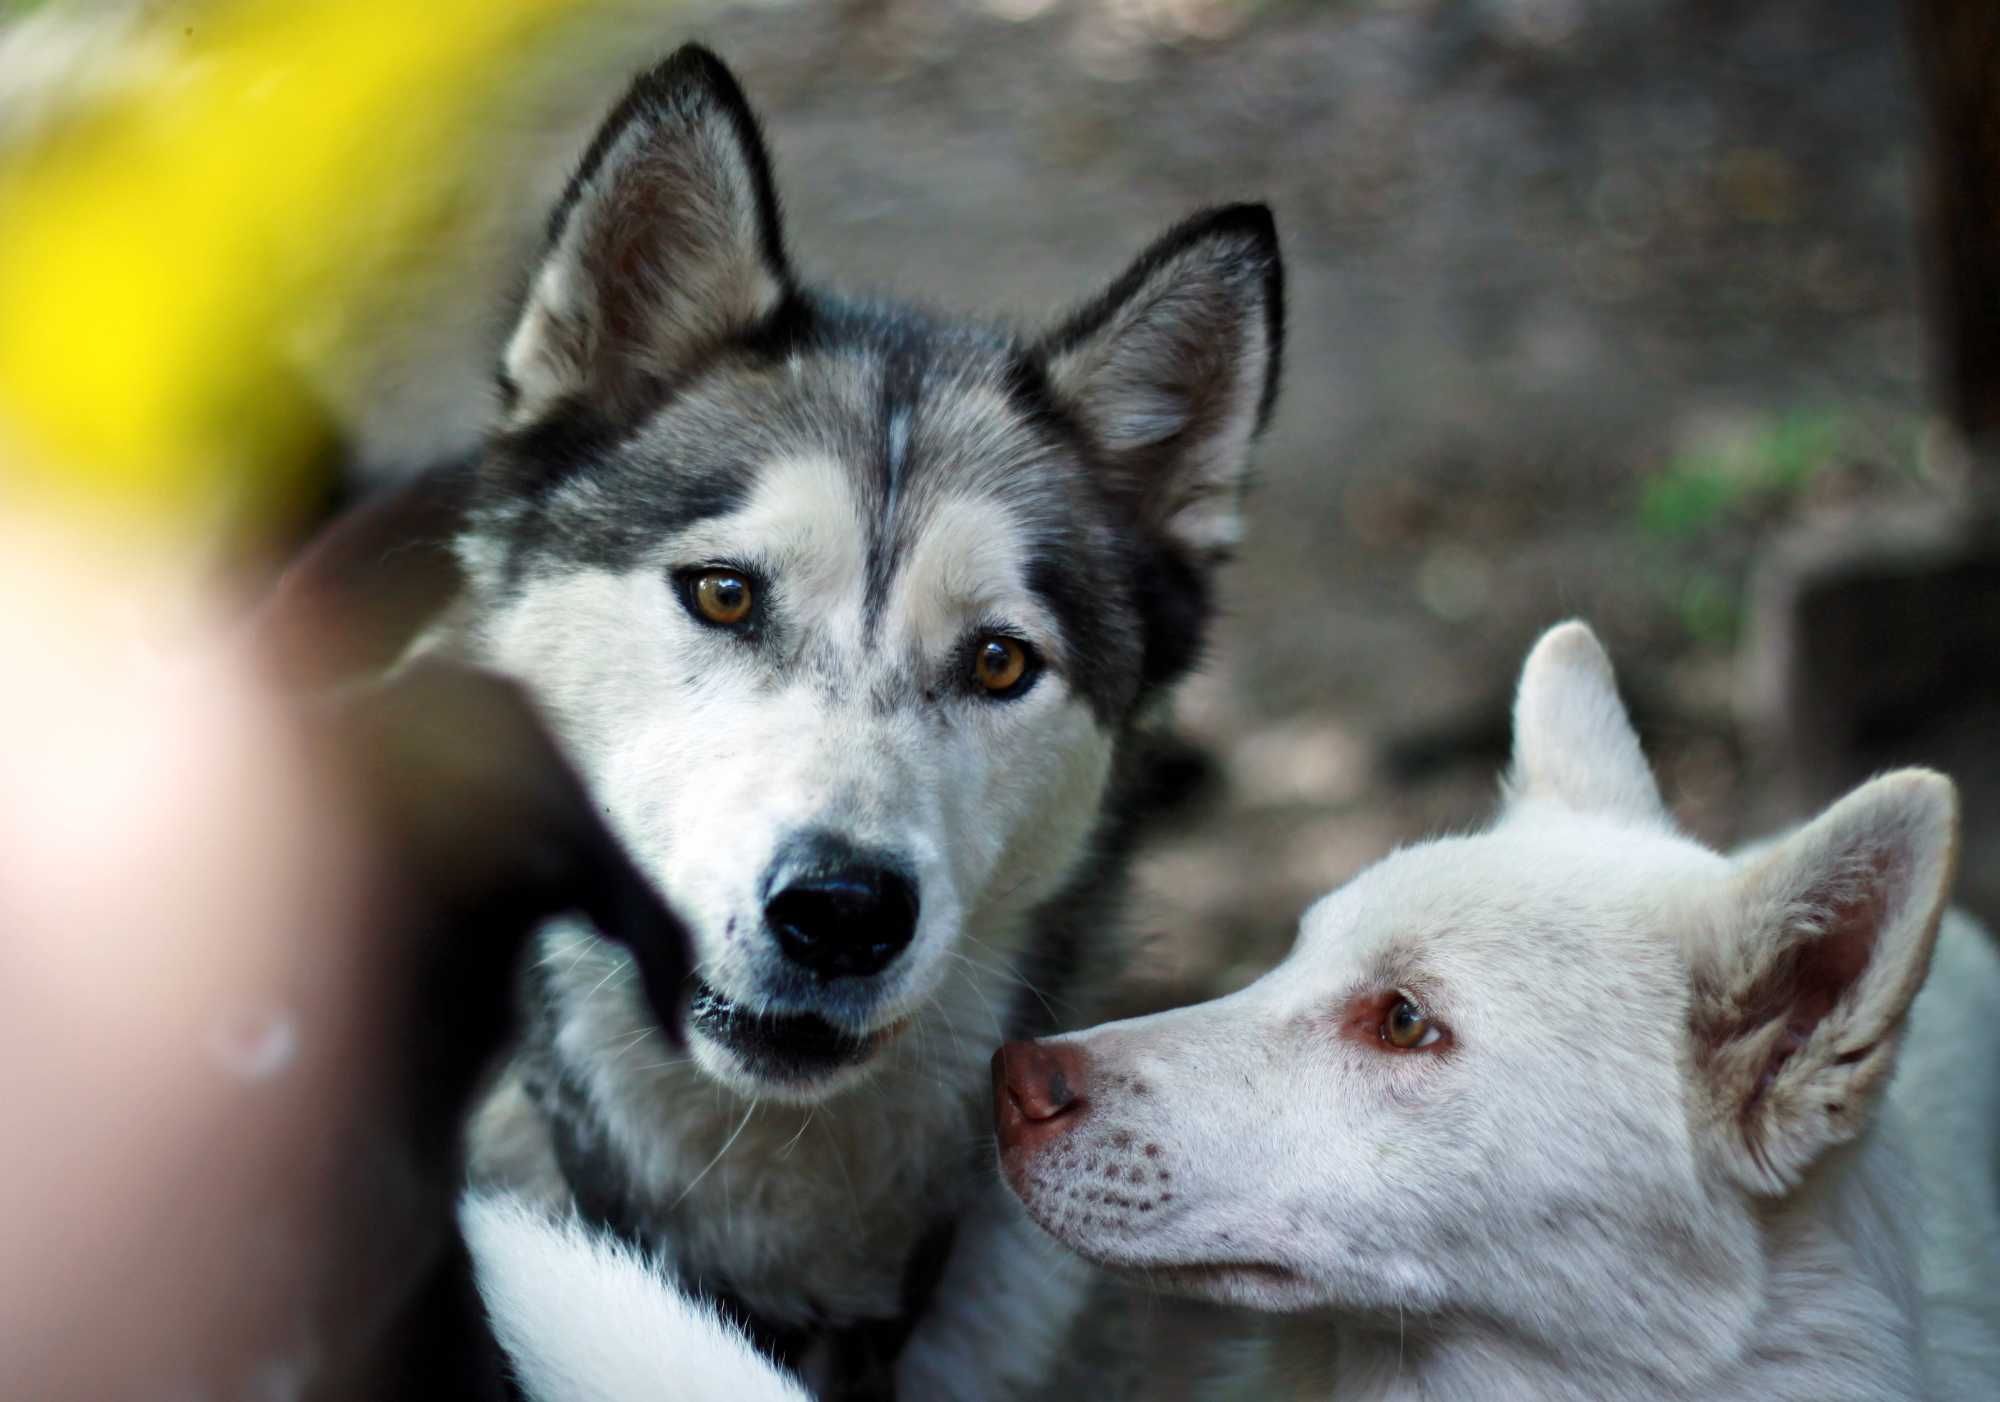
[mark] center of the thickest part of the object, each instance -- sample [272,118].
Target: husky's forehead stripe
[906,396]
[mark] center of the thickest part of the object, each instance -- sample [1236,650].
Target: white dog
[1572,1107]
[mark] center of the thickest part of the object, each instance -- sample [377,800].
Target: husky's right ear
[666,240]
[1573,743]
[1173,372]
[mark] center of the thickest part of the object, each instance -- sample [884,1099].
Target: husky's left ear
[1804,967]
[1173,371]
[1573,743]
[666,240]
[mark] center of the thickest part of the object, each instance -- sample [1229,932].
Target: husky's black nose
[837,910]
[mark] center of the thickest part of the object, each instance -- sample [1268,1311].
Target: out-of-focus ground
[1589,300]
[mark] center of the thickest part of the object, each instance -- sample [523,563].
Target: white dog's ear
[666,240]
[1173,371]
[1804,969]
[1573,743]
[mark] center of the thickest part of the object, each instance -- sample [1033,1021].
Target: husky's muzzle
[837,915]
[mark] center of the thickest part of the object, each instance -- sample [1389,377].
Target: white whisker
[726,1144]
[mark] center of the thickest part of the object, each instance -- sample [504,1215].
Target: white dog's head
[1538,1077]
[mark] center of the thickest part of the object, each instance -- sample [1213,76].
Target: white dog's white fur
[1649,1153]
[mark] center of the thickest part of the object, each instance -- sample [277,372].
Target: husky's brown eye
[722,597]
[1407,1026]
[1002,666]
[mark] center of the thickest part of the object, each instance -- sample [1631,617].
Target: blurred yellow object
[161,251]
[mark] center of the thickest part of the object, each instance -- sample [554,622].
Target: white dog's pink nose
[1038,1091]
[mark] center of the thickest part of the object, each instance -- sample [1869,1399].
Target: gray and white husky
[852,617]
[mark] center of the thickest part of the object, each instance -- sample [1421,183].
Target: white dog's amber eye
[1407,1027]
[722,596]
[1002,666]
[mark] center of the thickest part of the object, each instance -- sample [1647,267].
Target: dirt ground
[1590,302]
[1587,300]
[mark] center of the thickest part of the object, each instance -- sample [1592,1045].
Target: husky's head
[843,609]
[1546,1078]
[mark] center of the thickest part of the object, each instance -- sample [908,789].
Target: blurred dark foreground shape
[281,1222]
[486,833]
